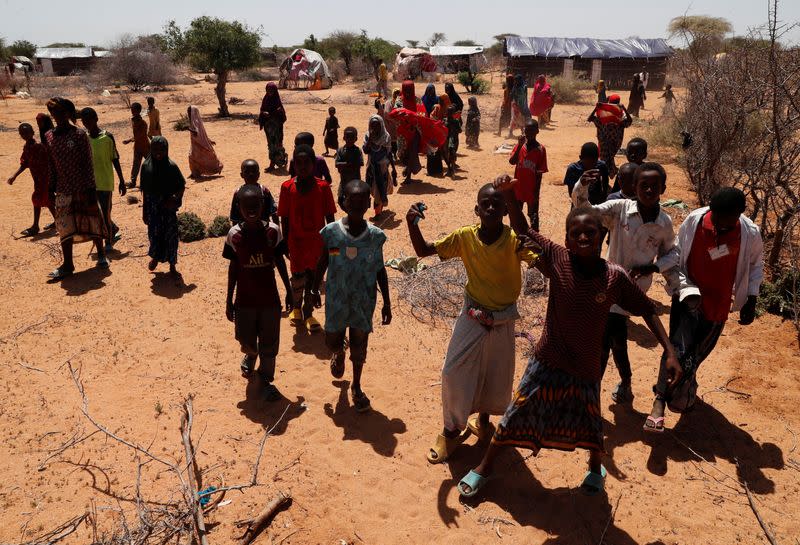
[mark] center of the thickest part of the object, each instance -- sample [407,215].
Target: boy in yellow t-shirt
[478,371]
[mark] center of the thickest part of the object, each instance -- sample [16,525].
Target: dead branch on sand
[255,525]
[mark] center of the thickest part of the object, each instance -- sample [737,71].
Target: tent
[305,69]
[614,61]
[63,61]
[452,59]
[412,63]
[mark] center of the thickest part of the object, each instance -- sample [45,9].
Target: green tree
[3,50]
[23,48]
[311,43]
[66,44]
[373,50]
[412,43]
[703,34]
[461,43]
[341,43]
[436,38]
[496,49]
[219,46]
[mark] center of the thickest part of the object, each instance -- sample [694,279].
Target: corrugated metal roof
[454,50]
[591,48]
[64,52]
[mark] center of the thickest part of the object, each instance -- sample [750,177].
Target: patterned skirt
[274,132]
[162,230]
[78,216]
[552,409]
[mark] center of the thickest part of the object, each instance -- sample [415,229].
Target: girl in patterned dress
[557,404]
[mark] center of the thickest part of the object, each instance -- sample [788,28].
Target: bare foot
[151,266]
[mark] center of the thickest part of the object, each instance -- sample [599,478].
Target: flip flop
[312,325]
[620,395]
[60,273]
[483,433]
[103,263]
[337,364]
[593,483]
[444,447]
[50,226]
[247,365]
[474,481]
[657,424]
[296,317]
[361,402]
[29,232]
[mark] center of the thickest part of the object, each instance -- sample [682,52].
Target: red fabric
[541,99]
[432,132]
[409,95]
[34,158]
[608,113]
[530,164]
[306,213]
[714,277]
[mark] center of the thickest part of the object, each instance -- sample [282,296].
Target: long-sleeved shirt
[749,266]
[634,242]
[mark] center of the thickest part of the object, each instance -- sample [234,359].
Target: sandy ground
[142,343]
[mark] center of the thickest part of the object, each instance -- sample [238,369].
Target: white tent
[451,59]
[305,69]
[413,62]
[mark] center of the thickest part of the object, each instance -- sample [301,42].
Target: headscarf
[541,98]
[601,84]
[162,177]
[200,137]
[66,105]
[429,99]
[454,98]
[473,104]
[613,99]
[409,95]
[440,110]
[384,140]
[519,94]
[45,124]
[392,104]
[272,103]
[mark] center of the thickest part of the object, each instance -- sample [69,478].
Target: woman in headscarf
[408,145]
[505,106]
[519,104]
[637,96]
[408,96]
[455,100]
[378,149]
[439,111]
[45,123]
[429,99]
[601,91]
[162,190]
[202,158]
[77,213]
[611,119]
[541,101]
[271,119]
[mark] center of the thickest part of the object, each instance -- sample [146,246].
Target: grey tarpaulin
[588,48]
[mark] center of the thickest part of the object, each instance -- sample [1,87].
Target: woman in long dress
[77,212]
[637,96]
[519,105]
[271,119]
[203,160]
[162,189]
[541,101]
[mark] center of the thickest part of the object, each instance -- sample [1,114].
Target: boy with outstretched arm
[642,241]
[34,157]
[557,403]
[589,160]
[251,246]
[352,254]
[530,159]
[478,371]
[305,206]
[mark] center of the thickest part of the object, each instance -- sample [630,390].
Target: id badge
[718,252]
[351,252]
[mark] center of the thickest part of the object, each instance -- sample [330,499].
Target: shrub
[252,75]
[136,63]
[190,227]
[219,227]
[568,90]
[182,124]
[474,84]
[779,296]
[665,132]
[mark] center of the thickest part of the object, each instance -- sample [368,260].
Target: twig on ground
[610,520]
[257,524]
[267,433]
[23,329]
[59,533]
[496,522]
[193,472]
[31,367]
[67,445]
[751,501]
[293,463]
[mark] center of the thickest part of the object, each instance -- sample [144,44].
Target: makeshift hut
[305,69]
[452,59]
[412,63]
[615,61]
[63,61]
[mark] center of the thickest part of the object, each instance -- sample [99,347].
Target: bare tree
[435,39]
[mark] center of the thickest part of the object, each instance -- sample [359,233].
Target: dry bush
[253,74]
[183,98]
[568,90]
[136,63]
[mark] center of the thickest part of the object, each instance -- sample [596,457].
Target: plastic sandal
[361,402]
[593,483]
[247,365]
[483,433]
[103,263]
[312,325]
[29,232]
[59,273]
[337,364]
[444,447]
[474,481]
[656,424]
[622,395]
[296,317]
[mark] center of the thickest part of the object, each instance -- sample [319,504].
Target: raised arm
[609,211]
[422,247]
[505,183]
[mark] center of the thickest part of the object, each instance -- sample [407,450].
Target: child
[669,98]
[251,247]
[154,116]
[106,161]
[601,92]
[305,206]
[642,241]
[589,160]
[472,128]
[636,150]
[478,370]
[34,157]
[557,403]
[320,165]
[250,174]
[352,254]
[331,131]
[450,151]
[378,149]
[721,254]
[141,142]
[162,191]
[626,181]
[349,161]
[530,159]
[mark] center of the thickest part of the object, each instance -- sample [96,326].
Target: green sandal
[593,483]
[474,481]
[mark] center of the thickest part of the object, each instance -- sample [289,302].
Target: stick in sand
[256,525]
